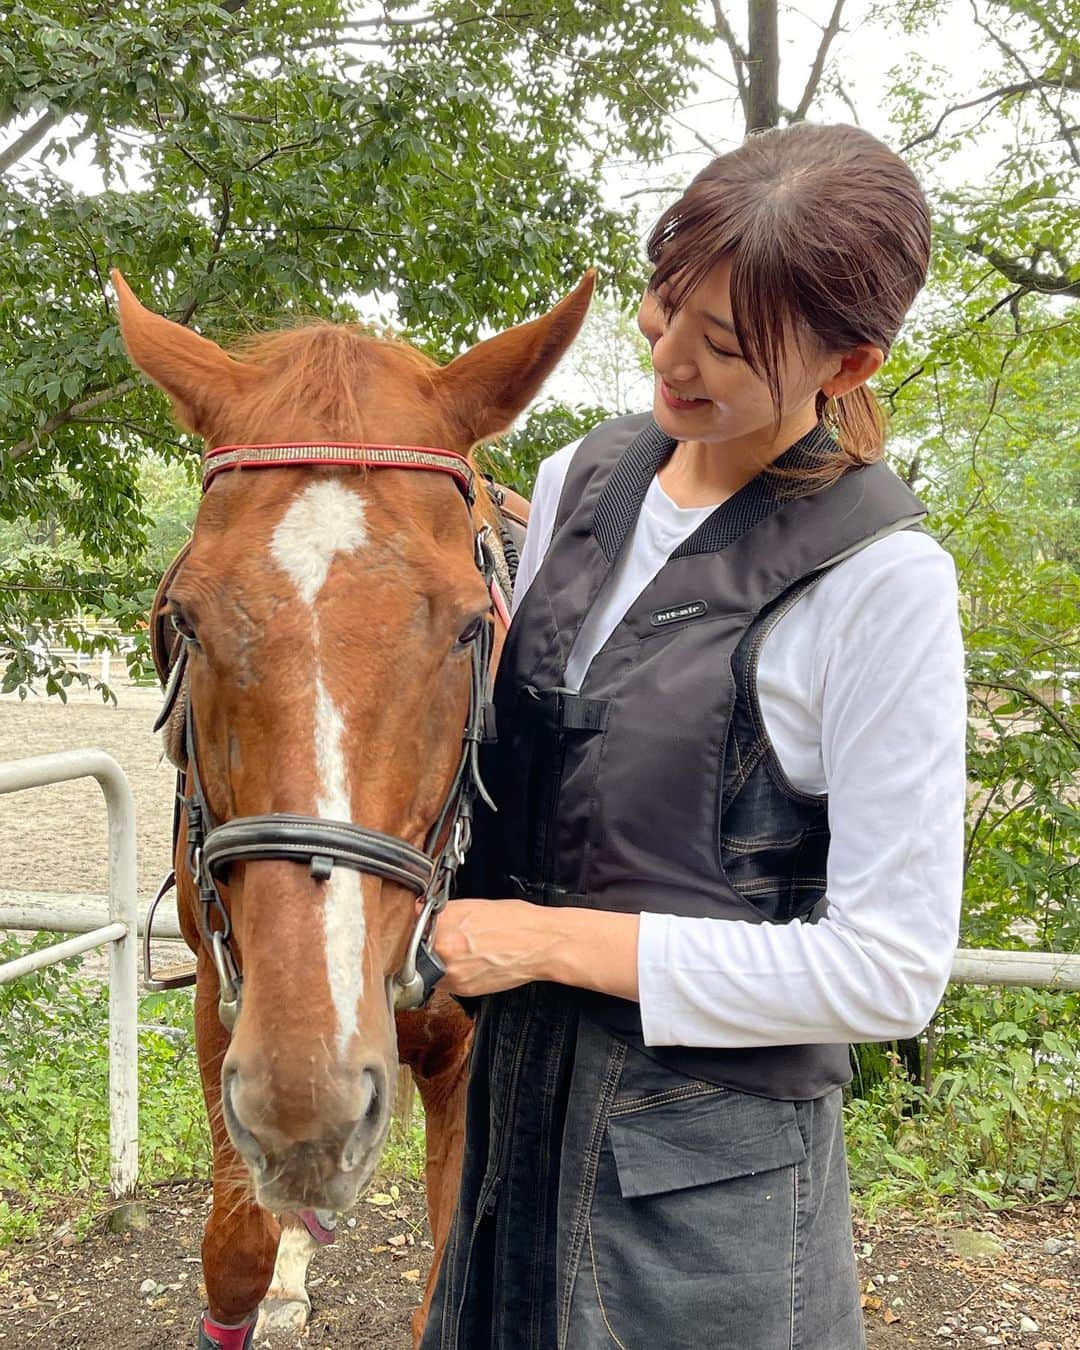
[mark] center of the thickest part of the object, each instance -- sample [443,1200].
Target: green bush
[54,1112]
[997,1125]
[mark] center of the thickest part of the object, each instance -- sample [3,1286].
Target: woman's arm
[488,946]
[893,722]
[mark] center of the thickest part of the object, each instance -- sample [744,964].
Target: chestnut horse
[330,613]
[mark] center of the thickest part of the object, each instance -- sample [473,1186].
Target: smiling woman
[793,250]
[730,791]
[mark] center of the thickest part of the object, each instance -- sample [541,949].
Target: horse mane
[326,368]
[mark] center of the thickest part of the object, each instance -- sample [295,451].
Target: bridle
[322,845]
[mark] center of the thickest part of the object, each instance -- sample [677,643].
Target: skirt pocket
[691,1230]
[702,1135]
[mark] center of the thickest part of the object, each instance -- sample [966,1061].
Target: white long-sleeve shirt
[862,690]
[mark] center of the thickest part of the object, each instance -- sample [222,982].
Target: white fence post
[120,933]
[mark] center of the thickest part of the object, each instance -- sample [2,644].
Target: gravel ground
[1014,1285]
[54,838]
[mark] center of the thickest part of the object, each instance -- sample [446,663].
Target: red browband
[346,454]
[296,454]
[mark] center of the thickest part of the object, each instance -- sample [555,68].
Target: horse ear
[492,382]
[195,373]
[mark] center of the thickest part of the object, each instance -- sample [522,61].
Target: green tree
[263,161]
[514,460]
[997,460]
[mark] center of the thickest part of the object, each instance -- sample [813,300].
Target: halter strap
[343,454]
[311,840]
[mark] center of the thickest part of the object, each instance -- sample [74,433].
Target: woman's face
[705,391]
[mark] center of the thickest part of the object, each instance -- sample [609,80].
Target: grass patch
[997,1127]
[54,1105]
[403,1158]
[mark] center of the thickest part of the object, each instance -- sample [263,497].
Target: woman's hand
[491,945]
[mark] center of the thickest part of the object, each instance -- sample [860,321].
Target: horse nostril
[365,1132]
[244,1141]
[371,1091]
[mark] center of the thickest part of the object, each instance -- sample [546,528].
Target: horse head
[329,615]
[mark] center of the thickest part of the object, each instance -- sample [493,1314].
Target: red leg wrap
[213,1336]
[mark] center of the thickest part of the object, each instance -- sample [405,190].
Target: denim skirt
[609,1200]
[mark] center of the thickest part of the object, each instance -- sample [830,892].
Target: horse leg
[286,1305]
[441,1070]
[241,1238]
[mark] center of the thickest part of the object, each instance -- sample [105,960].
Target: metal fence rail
[60,912]
[72,912]
[1034,970]
[115,921]
[119,933]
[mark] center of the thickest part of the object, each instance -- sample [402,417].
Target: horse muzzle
[317,1157]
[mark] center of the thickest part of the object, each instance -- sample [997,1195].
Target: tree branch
[1000,94]
[281,150]
[150,433]
[999,820]
[1022,274]
[969,848]
[763,96]
[890,396]
[248,118]
[23,144]
[814,79]
[1006,300]
[1062,82]
[738,56]
[72,414]
[1030,695]
[843,94]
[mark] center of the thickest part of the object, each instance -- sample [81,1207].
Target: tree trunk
[763,93]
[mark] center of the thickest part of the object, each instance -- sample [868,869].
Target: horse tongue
[320,1223]
[213,1336]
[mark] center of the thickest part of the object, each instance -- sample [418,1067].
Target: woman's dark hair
[828,236]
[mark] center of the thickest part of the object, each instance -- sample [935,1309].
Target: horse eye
[180,623]
[472,632]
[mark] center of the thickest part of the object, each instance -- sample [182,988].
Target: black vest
[655,788]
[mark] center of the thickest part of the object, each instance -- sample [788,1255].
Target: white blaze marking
[334,801]
[343,911]
[324,520]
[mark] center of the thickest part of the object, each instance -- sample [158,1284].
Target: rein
[322,844]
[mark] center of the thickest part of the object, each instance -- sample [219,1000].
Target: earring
[831,414]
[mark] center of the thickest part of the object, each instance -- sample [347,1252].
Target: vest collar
[620,501]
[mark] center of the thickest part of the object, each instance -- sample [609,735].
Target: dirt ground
[923,1285]
[55,837]
[141,1291]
